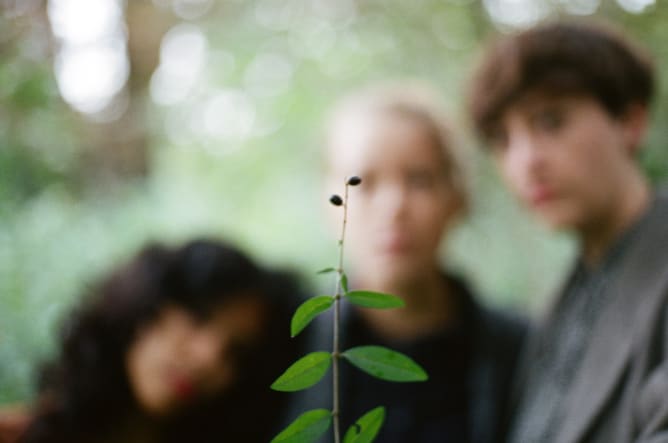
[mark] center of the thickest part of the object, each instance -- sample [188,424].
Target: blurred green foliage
[63,225]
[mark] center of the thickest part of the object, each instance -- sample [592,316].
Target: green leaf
[308,311]
[365,429]
[369,299]
[307,428]
[385,364]
[303,373]
[344,282]
[326,271]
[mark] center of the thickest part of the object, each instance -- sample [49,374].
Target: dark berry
[354,180]
[335,200]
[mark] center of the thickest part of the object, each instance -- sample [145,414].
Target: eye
[420,179]
[497,140]
[369,183]
[549,119]
[244,346]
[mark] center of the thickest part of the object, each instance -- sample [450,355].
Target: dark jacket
[491,342]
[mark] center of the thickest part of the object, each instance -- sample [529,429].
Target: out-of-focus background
[127,121]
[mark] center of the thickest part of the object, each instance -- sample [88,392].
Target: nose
[524,158]
[392,201]
[206,349]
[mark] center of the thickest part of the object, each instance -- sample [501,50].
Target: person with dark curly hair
[180,344]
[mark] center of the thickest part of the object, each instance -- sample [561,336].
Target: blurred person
[563,108]
[181,344]
[412,193]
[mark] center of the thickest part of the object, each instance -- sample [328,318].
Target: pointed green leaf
[344,282]
[326,271]
[308,311]
[303,373]
[365,429]
[369,299]
[385,364]
[307,428]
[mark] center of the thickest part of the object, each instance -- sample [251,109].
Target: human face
[566,158]
[177,359]
[398,215]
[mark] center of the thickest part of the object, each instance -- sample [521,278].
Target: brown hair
[560,58]
[414,101]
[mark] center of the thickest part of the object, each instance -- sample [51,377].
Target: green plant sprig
[378,361]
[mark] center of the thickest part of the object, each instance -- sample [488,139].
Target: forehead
[379,140]
[241,317]
[244,305]
[536,101]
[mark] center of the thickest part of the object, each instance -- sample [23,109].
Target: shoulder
[503,331]
[498,341]
[653,226]
[498,337]
[492,327]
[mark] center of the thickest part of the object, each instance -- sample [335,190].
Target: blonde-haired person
[413,192]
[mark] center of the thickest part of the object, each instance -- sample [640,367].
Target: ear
[635,121]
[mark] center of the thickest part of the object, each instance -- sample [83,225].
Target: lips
[540,196]
[394,245]
[183,387]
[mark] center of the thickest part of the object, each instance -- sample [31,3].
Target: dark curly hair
[85,393]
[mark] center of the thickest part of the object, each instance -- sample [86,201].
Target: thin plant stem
[337,316]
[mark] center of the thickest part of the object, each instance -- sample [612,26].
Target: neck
[429,307]
[599,236]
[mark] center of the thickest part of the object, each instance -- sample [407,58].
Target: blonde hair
[412,100]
